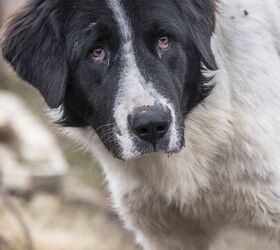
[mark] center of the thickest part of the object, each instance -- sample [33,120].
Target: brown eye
[98,55]
[164,43]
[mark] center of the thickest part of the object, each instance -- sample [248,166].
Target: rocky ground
[63,222]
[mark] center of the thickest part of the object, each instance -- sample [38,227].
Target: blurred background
[53,197]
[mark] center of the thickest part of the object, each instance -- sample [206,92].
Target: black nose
[150,123]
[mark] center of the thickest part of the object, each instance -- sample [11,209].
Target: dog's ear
[33,45]
[201,24]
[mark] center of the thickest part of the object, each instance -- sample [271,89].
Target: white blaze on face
[133,90]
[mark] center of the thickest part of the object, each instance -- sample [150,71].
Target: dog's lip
[140,155]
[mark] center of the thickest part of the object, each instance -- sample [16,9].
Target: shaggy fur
[228,173]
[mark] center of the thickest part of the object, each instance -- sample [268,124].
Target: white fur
[229,172]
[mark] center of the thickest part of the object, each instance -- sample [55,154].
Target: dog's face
[130,70]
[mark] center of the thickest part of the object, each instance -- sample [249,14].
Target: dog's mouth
[145,152]
[162,146]
[129,147]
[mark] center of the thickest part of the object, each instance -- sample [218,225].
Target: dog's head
[130,70]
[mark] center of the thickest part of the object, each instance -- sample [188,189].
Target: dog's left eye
[164,43]
[98,55]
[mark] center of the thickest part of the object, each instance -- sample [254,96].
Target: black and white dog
[178,99]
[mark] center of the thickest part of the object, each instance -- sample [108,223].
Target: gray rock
[30,158]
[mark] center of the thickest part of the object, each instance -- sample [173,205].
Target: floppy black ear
[201,23]
[34,47]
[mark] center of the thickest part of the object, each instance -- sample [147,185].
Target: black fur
[35,47]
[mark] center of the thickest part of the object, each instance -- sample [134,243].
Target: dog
[179,100]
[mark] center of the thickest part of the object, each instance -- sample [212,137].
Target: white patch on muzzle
[133,90]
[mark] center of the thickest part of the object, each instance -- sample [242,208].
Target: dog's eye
[98,55]
[164,43]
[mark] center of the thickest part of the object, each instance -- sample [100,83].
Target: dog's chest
[180,197]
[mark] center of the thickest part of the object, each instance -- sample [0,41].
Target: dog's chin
[149,154]
[145,151]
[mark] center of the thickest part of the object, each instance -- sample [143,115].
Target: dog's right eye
[164,43]
[98,55]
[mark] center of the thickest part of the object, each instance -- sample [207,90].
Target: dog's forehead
[129,16]
[141,16]
[121,18]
